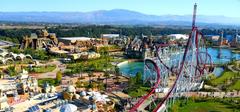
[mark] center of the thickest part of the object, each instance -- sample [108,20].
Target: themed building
[3,101]
[140,47]
[235,41]
[26,84]
[9,57]
[39,40]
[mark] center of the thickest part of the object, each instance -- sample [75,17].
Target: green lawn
[43,69]
[91,65]
[228,80]
[48,80]
[197,104]
[235,86]
[206,107]
[223,78]
[138,92]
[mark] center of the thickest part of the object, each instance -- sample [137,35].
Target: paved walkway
[234,68]
[217,94]
[52,74]
[230,67]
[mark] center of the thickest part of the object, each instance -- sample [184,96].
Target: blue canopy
[34,109]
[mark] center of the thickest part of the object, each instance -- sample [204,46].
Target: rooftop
[179,36]
[110,35]
[75,38]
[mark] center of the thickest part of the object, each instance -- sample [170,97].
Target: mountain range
[115,16]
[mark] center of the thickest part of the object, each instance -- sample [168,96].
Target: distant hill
[116,16]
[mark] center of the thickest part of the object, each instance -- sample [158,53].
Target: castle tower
[221,39]
[236,37]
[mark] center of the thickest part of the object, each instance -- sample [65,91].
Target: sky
[229,8]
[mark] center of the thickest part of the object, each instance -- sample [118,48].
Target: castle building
[39,40]
[235,41]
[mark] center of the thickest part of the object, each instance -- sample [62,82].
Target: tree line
[95,31]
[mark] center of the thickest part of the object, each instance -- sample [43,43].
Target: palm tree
[117,73]
[79,70]
[90,74]
[106,75]
[1,74]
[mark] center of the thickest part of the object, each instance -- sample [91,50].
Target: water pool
[131,68]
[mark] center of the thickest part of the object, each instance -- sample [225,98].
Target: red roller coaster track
[193,36]
[142,99]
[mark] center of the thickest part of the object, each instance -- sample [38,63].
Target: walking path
[52,74]
[234,68]
[217,94]
[230,67]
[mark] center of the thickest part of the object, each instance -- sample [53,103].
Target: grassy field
[138,92]
[227,81]
[90,65]
[206,105]
[223,78]
[235,86]
[48,80]
[42,69]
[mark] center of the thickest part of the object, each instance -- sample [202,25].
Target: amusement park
[106,59]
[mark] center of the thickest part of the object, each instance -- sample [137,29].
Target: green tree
[139,78]
[104,51]
[79,69]
[1,74]
[11,70]
[37,54]
[14,50]
[90,75]
[106,75]
[58,76]
[79,84]
[90,85]
[117,71]
[132,81]
[101,86]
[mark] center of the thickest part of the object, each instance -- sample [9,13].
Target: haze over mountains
[116,16]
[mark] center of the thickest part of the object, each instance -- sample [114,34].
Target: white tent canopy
[68,108]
